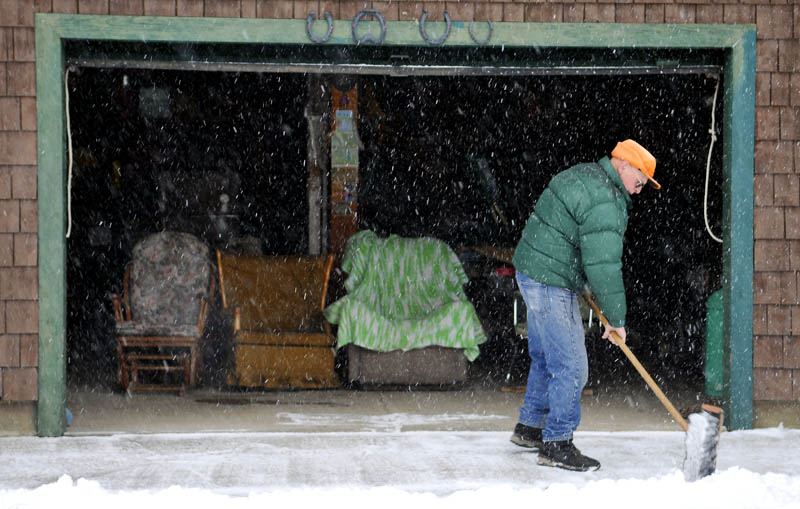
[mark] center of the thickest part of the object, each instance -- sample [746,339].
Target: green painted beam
[401,33]
[737,266]
[737,41]
[50,415]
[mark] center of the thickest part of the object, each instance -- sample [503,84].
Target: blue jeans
[559,366]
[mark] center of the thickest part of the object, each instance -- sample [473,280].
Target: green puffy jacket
[574,236]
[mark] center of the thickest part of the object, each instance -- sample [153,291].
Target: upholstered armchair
[405,318]
[280,337]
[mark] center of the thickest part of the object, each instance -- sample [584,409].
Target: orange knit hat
[639,158]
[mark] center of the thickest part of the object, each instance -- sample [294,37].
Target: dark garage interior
[223,155]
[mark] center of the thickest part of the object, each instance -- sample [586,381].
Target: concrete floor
[343,410]
[480,408]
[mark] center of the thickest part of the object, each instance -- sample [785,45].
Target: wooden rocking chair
[161,314]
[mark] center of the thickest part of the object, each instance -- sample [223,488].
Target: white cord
[69,152]
[708,164]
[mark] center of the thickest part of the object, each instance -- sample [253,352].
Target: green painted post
[714,355]
[737,266]
[50,414]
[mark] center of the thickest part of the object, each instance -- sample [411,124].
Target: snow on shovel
[705,422]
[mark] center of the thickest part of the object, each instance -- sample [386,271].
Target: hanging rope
[69,153]
[708,163]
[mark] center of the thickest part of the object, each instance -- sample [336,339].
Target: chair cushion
[285,338]
[404,278]
[133,328]
[168,280]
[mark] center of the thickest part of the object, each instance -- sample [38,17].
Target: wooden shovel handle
[638,365]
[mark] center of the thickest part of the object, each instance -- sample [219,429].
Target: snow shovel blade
[702,438]
[703,428]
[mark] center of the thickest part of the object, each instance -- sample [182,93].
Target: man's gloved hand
[620,332]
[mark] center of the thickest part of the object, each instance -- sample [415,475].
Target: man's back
[576,232]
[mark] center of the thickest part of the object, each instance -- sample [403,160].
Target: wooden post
[344,167]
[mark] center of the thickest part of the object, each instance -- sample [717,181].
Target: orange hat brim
[638,157]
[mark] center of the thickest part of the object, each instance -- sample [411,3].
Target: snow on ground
[756,469]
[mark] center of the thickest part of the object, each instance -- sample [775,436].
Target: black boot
[565,455]
[527,436]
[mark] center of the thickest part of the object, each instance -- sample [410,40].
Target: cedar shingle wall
[776,316]
[18,222]
[776,313]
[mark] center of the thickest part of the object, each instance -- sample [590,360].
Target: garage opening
[457,156]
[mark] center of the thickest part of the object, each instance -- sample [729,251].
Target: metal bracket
[310,21]
[475,40]
[369,37]
[439,41]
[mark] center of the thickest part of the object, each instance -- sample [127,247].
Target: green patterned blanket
[404,294]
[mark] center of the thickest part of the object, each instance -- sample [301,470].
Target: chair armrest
[237,319]
[202,316]
[221,280]
[116,301]
[121,302]
[122,310]
[328,267]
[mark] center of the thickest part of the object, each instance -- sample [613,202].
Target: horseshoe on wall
[475,40]
[434,42]
[310,21]
[369,37]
